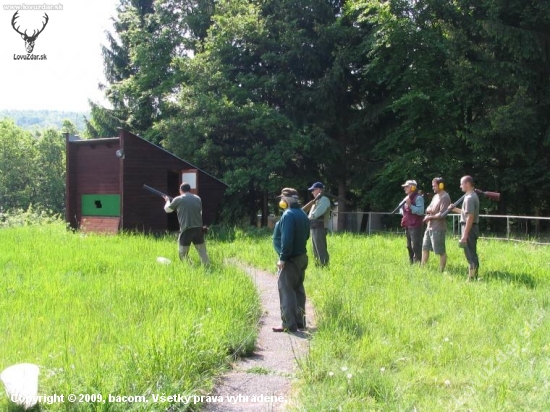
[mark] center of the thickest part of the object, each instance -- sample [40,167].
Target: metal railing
[534,229]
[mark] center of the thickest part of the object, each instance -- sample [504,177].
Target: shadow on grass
[495,276]
[305,333]
[518,278]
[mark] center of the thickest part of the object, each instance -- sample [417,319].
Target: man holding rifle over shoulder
[434,236]
[469,219]
[319,215]
[413,214]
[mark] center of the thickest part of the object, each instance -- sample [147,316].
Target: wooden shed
[105,179]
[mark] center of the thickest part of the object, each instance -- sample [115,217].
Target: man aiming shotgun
[188,207]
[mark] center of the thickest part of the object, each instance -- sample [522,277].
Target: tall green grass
[100,315]
[395,337]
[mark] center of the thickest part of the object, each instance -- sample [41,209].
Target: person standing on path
[319,216]
[290,237]
[189,211]
[413,211]
[436,230]
[469,219]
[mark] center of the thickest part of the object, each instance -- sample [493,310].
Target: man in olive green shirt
[319,216]
[469,219]
[189,210]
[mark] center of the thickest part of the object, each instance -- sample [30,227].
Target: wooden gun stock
[494,196]
[309,204]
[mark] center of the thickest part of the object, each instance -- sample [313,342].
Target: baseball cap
[409,183]
[316,185]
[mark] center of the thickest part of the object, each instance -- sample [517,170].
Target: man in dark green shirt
[289,241]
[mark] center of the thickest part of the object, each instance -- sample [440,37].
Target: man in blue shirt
[289,241]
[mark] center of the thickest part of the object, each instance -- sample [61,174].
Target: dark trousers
[319,243]
[414,243]
[470,251]
[292,294]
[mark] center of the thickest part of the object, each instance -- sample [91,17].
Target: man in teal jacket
[289,241]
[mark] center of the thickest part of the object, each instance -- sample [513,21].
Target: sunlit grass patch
[391,336]
[99,314]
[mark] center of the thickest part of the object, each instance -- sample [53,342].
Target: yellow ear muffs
[413,188]
[283,204]
[441,186]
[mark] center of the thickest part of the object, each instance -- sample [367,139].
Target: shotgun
[156,192]
[159,193]
[309,204]
[400,205]
[495,196]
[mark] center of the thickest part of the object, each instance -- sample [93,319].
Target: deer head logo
[29,40]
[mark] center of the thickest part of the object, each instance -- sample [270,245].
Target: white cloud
[71,42]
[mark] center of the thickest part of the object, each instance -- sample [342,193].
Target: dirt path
[262,382]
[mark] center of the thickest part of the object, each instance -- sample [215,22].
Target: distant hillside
[43,119]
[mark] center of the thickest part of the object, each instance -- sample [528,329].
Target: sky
[70,47]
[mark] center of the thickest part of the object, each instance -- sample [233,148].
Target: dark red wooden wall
[93,167]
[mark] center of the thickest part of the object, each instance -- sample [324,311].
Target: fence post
[369,221]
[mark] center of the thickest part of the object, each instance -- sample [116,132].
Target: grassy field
[100,315]
[391,337]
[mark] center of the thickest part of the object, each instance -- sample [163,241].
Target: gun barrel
[399,205]
[457,203]
[156,192]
